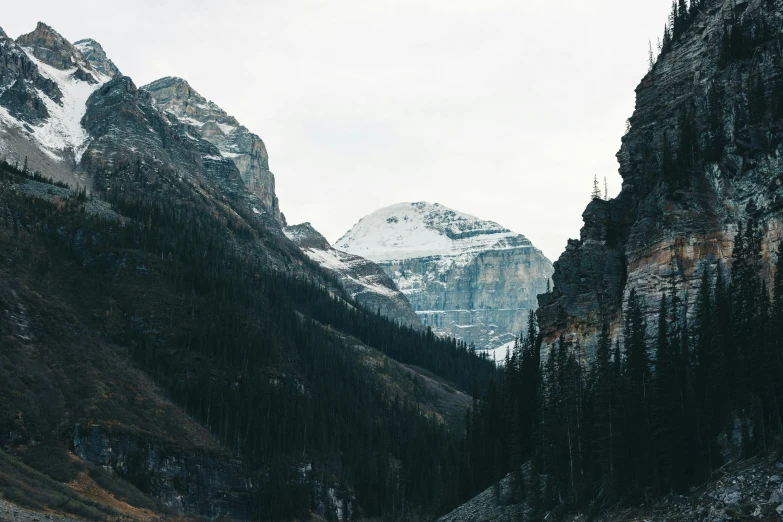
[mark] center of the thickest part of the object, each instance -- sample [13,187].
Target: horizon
[405,113]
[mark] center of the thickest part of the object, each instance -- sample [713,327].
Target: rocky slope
[174,96]
[132,314]
[67,112]
[44,86]
[364,281]
[660,233]
[750,490]
[465,277]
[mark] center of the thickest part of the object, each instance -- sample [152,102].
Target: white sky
[504,109]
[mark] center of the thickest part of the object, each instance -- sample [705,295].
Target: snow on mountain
[364,281]
[62,132]
[465,277]
[416,230]
[45,83]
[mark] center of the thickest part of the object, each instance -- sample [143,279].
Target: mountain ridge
[364,281]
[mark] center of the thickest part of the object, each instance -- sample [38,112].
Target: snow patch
[63,130]
[226,129]
[499,354]
[344,264]
[419,230]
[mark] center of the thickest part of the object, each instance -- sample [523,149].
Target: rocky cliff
[93,52]
[205,119]
[465,277]
[703,153]
[364,281]
[44,86]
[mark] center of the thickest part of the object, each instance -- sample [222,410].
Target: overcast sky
[504,109]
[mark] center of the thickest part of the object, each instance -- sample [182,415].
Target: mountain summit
[93,52]
[175,96]
[465,277]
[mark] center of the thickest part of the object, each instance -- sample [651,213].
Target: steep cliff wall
[208,121]
[702,154]
[467,278]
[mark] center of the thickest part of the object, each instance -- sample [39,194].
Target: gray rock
[465,277]
[51,48]
[205,119]
[96,56]
[731,496]
[652,238]
[362,279]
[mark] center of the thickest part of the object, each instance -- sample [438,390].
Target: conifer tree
[637,392]
[596,194]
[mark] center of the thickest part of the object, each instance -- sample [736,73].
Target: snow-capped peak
[415,230]
[62,131]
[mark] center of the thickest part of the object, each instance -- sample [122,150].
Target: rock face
[750,490]
[468,278]
[364,281]
[48,46]
[657,234]
[44,86]
[205,119]
[59,101]
[210,485]
[96,56]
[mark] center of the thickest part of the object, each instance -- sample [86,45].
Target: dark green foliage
[629,428]
[741,35]
[681,17]
[260,358]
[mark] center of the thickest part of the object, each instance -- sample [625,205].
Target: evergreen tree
[596,194]
[636,383]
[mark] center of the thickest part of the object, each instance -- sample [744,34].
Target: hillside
[157,323]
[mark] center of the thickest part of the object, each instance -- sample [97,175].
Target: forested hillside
[250,354]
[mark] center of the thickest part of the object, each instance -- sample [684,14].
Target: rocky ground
[13,513]
[750,490]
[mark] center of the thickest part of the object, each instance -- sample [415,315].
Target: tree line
[656,413]
[257,356]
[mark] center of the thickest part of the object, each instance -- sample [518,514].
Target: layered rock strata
[465,277]
[658,234]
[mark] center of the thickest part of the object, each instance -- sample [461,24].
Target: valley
[172,348]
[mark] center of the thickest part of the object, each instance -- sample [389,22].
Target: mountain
[174,96]
[45,83]
[167,351]
[465,277]
[96,56]
[364,281]
[665,230]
